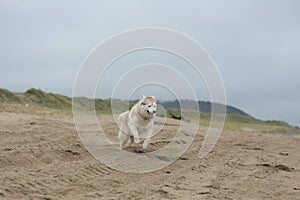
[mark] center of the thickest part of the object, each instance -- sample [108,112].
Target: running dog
[138,121]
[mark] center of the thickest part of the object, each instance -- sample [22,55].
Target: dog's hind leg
[123,137]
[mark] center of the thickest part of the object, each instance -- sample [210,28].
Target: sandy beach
[42,157]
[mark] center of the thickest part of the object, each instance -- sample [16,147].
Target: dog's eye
[149,106]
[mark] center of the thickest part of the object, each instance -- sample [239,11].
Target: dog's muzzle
[153,112]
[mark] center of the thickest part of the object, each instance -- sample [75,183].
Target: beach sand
[42,157]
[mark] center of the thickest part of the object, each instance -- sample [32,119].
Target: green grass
[103,106]
[239,122]
[292,130]
[50,100]
[7,96]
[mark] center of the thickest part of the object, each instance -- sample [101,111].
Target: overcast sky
[255,44]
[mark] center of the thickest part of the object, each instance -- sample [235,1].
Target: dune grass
[7,96]
[239,122]
[49,100]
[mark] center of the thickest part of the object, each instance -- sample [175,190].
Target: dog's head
[148,105]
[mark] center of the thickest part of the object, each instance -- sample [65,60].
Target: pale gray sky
[255,44]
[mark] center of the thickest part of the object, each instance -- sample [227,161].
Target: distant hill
[204,106]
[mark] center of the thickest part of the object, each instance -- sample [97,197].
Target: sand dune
[43,158]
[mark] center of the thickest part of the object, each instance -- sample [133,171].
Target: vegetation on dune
[7,96]
[236,122]
[57,101]
[103,106]
[240,121]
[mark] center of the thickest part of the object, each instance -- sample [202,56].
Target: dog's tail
[122,116]
[122,122]
[119,118]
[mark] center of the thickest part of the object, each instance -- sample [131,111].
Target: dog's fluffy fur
[138,121]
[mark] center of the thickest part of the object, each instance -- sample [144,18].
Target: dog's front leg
[135,134]
[147,140]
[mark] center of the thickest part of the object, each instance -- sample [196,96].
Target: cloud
[254,43]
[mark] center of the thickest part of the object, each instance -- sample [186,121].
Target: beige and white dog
[138,121]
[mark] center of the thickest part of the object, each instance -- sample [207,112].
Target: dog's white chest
[143,123]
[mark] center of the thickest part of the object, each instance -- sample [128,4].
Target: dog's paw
[136,140]
[145,147]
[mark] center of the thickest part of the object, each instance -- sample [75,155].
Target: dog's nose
[154,111]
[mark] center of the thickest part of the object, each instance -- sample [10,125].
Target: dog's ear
[144,96]
[153,97]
